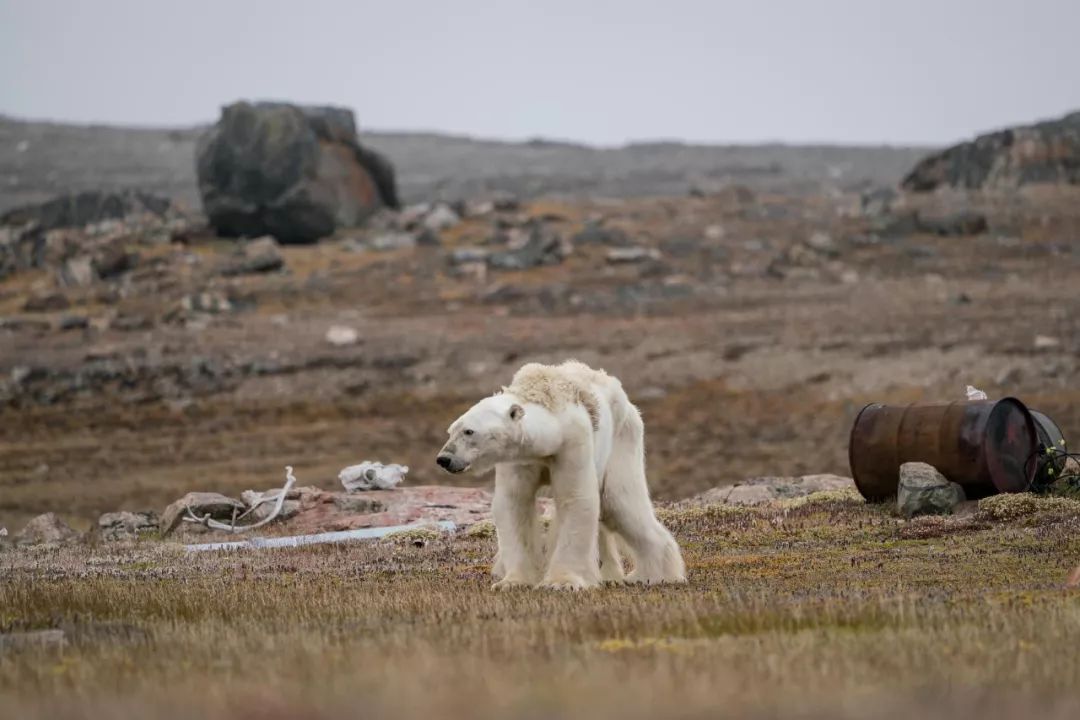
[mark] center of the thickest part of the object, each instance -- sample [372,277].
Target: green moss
[1016,505]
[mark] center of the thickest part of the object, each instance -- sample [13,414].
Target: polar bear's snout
[451,464]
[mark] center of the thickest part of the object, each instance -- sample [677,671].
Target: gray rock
[925,491]
[393,241]
[48,302]
[757,491]
[296,173]
[620,256]
[822,242]
[466,255]
[1047,152]
[260,255]
[124,525]
[78,271]
[964,222]
[879,202]
[539,250]
[358,504]
[440,218]
[594,233]
[85,208]
[218,506]
[47,529]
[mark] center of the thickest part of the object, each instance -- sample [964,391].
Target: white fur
[573,428]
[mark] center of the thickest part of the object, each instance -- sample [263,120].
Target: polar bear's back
[572,382]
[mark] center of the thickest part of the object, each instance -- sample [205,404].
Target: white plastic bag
[973,393]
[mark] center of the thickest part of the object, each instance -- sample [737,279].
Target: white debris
[973,393]
[370,475]
[441,218]
[328,537]
[342,335]
[3,532]
[1045,342]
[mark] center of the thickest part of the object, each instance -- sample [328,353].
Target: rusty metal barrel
[985,446]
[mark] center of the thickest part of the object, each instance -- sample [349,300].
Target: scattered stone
[1073,580]
[73,322]
[761,490]
[358,504]
[878,203]
[47,529]
[468,255]
[124,525]
[925,491]
[594,233]
[715,232]
[114,261]
[261,255]
[1045,342]
[428,238]
[342,335]
[541,249]
[394,241]
[48,302]
[618,256]
[211,302]
[823,243]
[965,222]
[78,271]
[216,505]
[78,210]
[441,218]
[293,172]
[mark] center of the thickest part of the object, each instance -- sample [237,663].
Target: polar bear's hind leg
[628,510]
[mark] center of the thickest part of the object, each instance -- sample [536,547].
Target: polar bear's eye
[468,432]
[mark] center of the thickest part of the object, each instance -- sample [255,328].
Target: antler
[233,527]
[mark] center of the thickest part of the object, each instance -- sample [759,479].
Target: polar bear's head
[491,432]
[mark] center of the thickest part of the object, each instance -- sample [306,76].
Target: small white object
[3,532]
[714,232]
[341,335]
[973,393]
[329,537]
[1045,342]
[370,475]
[23,146]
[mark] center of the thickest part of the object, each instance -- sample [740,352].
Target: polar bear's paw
[566,581]
[511,583]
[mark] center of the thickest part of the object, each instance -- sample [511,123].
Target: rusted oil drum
[985,446]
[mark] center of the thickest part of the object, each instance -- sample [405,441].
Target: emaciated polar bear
[573,428]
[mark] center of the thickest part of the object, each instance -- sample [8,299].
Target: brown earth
[749,353]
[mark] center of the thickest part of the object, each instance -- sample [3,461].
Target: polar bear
[573,428]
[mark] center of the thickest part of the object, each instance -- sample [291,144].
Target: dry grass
[821,609]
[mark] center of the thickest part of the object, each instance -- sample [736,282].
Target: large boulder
[293,172]
[1047,152]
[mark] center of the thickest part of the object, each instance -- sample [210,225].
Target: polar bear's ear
[516,412]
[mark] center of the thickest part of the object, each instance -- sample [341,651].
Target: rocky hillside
[40,160]
[1047,152]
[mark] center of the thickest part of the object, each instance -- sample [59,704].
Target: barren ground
[825,608]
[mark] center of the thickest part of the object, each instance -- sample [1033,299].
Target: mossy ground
[825,607]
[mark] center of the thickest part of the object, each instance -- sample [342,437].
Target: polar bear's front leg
[519,559]
[574,561]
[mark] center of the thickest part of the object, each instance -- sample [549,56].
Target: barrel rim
[851,450]
[1030,465]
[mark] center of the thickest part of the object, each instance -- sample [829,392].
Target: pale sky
[848,71]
